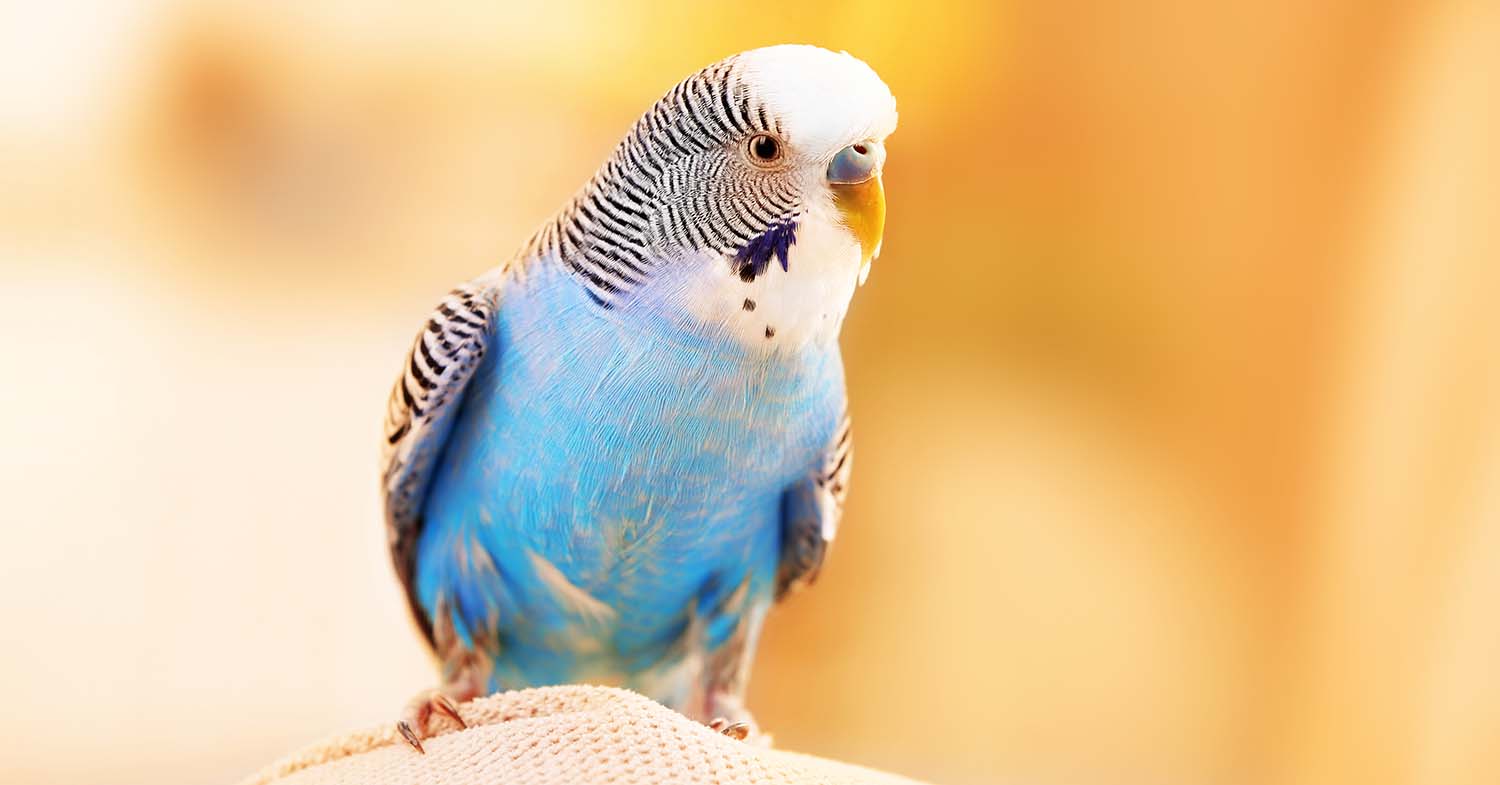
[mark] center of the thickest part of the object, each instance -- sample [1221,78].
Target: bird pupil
[764,148]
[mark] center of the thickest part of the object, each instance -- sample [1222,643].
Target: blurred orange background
[1176,383]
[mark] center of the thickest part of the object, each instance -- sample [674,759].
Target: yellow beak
[863,208]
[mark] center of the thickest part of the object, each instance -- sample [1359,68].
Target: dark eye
[764,148]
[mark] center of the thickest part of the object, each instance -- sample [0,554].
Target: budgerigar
[608,457]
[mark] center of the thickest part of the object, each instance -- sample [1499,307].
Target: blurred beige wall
[1179,456]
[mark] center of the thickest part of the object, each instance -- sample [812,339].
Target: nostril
[855,163]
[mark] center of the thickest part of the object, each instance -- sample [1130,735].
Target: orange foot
[739,731]
[413,723]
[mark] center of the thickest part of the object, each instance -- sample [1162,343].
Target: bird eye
[764,149]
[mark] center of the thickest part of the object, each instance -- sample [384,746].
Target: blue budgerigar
[608,457]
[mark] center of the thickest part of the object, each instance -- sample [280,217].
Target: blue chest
[616,459]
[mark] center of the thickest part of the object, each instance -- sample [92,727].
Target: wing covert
[810,512]
[419,413]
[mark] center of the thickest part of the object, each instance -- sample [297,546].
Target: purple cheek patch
[754,259]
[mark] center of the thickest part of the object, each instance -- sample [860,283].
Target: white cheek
[803,304]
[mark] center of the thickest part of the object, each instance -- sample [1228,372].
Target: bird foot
[413,723]
[738,731]
[741,730]
[731,718]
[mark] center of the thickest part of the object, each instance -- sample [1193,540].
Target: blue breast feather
[613,479]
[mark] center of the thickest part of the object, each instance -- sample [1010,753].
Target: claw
[415,718]
[446,705]
[410,735]
[734,730]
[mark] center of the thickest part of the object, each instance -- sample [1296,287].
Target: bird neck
[780,311]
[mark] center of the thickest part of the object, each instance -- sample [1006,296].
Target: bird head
[753,185]
[819,142]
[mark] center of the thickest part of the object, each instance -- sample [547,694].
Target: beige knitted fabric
[559,736]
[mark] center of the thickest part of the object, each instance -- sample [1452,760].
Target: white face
[782,309]
[824,103]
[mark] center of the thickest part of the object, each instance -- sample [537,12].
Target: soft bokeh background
[1176,385]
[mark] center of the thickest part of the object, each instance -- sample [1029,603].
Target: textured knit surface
[556,736]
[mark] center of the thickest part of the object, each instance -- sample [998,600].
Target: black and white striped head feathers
[763,170]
